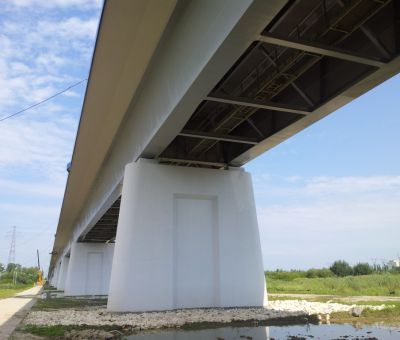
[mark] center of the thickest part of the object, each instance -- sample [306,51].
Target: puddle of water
[298,332]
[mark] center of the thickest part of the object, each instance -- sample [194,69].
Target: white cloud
[61,4]
[352,185]
[35,143]
[355,218]
[35,230]
[45,47]
[19,68]
[40,57]
[27,212]
[71,94]
[73,28]
[36,190]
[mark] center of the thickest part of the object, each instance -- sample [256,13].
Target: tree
[2,268]
[341,268]
[25,275]
[362,269]
[13,266]
[313,273]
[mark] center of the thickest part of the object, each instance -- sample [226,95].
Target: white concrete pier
[63,273]
[186,238]
[54,279]
[89,269]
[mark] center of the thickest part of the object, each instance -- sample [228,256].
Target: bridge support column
[89,269]
[186,238]
[62,274]
[54,280]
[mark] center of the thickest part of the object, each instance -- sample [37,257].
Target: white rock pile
[178,318]
[311,308]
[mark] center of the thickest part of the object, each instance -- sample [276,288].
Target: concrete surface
[62,277]
[186,238]
[14,309]
[89,269]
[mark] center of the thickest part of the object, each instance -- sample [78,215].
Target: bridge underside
[312,51]
[310,59]
[105,229]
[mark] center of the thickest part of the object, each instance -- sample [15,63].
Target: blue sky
[330,192]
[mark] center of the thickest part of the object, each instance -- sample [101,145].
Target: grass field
[59,303]
[8,290]
[389,316]
[385,284]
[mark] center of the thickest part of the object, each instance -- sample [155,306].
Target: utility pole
[40,273]
[38,259]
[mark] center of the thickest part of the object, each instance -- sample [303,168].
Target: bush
[24,275]
[286,275]
[362,269]
[341,268]
[313,273]
[395,270]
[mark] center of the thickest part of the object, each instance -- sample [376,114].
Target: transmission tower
[11,254]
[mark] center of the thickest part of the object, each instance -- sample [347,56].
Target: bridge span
[158,212]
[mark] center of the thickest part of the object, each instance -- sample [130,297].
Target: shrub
[324,272]
[286,275]
[23,275]
[362,269]
[341,268]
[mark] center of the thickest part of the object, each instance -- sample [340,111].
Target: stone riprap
[178,318]
[312,308]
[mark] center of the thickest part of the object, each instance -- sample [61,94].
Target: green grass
[8,290]
[389,315]
[392,309]
[386,284]
[60,303]
[49,331]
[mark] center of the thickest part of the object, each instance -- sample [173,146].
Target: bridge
[158,212]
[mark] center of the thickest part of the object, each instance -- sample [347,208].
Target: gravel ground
[177,318]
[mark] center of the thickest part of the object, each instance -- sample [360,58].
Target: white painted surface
[56,273]
[187,237]
[62,276]
[195,251]
[89,269]
[94,270]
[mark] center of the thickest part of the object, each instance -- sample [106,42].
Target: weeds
[9,290]
[60,303]
[49,331]
[376,284]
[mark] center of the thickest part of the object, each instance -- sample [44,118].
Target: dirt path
[14,309]
[338,297]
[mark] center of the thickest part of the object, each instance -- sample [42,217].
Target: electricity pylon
[11,254]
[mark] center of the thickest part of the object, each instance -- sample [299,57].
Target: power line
[43,101]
